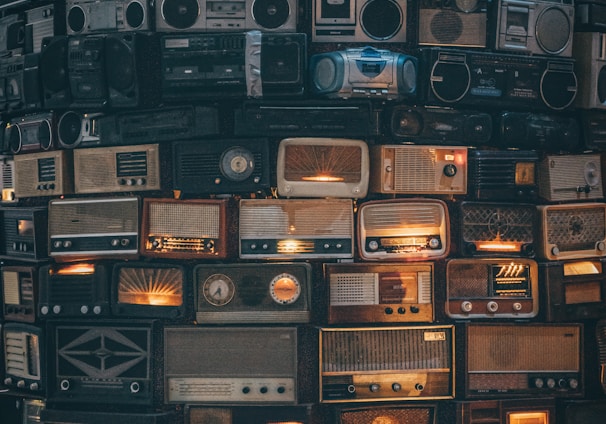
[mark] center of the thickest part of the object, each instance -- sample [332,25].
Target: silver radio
[86,16]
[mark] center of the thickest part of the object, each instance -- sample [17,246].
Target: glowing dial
[285,289]
[218,289]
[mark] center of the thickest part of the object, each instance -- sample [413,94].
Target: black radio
[20,292]
[589,15]
[25,233]
[593,126]
[86,70]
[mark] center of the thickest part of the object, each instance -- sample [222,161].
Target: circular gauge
[284,289]
[237,163]
[218,289]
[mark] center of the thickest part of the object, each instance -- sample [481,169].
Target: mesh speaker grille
[508,223]
[553,41]
[467,280]
[99,216]
[576,228]
[400,415]
[413,214]
[184,220]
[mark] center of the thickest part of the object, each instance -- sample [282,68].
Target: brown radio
[44,174]
[521,360]
[403,229]
[571,231]
[188,229]
[366,293]
[322,167]
[298,414]
[410,169]
[20,293]
[55,415]
[570,177]
[386,363]
[410,413]
[507,411]
[492,288]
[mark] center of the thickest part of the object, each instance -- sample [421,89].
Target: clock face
[285,289]
[218,289]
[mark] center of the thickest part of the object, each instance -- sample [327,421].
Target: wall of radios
[324,211]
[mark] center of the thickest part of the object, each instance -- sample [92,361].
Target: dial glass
[218,289]
[237,164]
[285,289]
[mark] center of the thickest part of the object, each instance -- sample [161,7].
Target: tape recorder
[21,90]
[86,70]
[448,23]
[364,72]
[575,177]
[90,16]
[31,133]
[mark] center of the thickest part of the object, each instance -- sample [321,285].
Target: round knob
[263,389]
[466,306]
[8,381]
[396,387]
[245,390]
[555,251]
[57,309]
[601,246]
[44,310]
[374,388]
[573,383]
[562,383]
[115,242]
[517,306]
[492,306]
[281,389]
[84,309]
[434,243]
[34,386]
[67,244]
[351,389]
[551,383]
[373,245]
[21,384]
[125,242]
[401,310]
[539,383]
[388,311]
[64,384]
[419,387]
[135,387]
[97,310]
[326,246]
[450,170]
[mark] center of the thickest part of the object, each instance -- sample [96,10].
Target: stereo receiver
[24,350]
[19,293]
[446,23]
[574,177]
[24,233]
[44,174]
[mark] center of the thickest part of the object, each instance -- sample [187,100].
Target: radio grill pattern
[468,281]
[184,220]
[402,415]
[22,354]
[63,290]
[483,223]
[7,174]
[75,217]
[379,218]
[576,229]
[354,288]
[416,172]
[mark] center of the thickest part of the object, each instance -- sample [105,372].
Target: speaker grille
[381,19]
[466,280]
[184,220]
[180,14]
[396,415]
[409,214]
[271,14]
[505,223]
[551,40]
[574,228]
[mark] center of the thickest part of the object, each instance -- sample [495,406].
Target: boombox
[446,23]
[153,290]
[360,21]
[20,89]
[104,362]
[253,64]
[235,365]
[322,167]
[521,360]
[76,129]
[253,293]
[386,363]
[593,125]
[71,416]
[489,229]
[24,233]
[403,229]
[31,133]
[573,289]
[87,16]
[364,72]
[298,414]
[188,229]
[74,290]
[480,78]
[492,288]
[218,16]
[503,175]
[296,229]
[19,293]
[508,411]
[24,357]
[309,118]
[529,130]
[571,231]
[7,179]
[590,60]
[390,293]
[589,16]
[411,169]
[93,228]
[117,169]
[87,66]
[528,26]
[585,411]
[570,177]
[41,22]
[221,166]
[44,174]
[409,413]
[429,125]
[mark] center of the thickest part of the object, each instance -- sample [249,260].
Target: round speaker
[601,80]
[406,123]
[135,14]
[270,14]
[76,19]
[498,225]
[381,19]
[180,14]
[553,30]
[53,65]
[69,129]
[325,74]
[450,82]
[408,77]
[45,135]
[120,68]
[446,26]
[237,163]
[558,89]
[592,174]
[13,137]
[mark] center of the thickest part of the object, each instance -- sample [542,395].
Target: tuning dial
[492,306]
[466,306]
[374,388]
[450,170]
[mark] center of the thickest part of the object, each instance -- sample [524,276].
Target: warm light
[289,246]
[528,418]
[151,286]
[582,268]
[384,419]
[499,246]
[323,179]
[152,299]
[75,269]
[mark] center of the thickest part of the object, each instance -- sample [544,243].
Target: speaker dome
[325,74]
[381,19]
[135,14]
[553,29]
[271,14]
[180,14]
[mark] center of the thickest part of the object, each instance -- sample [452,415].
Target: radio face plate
[20,293]
[44,174]
[24,353]
[442,23]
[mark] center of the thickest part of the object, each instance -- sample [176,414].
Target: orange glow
[75,269]
[495,246]
[323,178]
[152,299]
[528,418]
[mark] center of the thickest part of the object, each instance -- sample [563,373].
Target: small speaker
[53,72]
[452,23]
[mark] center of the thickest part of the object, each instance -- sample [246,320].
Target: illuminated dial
[237,164]
[218,289]
[284,289]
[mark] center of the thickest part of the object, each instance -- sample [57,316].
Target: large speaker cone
[271,14]
[120,66]
[553,30]
[381,19]
[135,15]
[180,14]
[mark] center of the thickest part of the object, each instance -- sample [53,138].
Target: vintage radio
[573,289]
[443,23]
[529,130]
[74,290]
[528,26]
[503,360]
[20,293]
[307,118]
[364,72]
[296,229]
[206,365]
[24,357]
[117,169]
[20,77]
[403,229]
[86,70]
[76,129]
[386,363]
[44,174]
[408,169]
[253,64]
[570,177]
[589,16]
[221,166]
[24,233]
[361,21]
[502,175]
[41,22]
[298,414]
[7,179]
[593,129]
[489,228]
[253,293]
[54,72]
[481,78]
[31,133]
[432,124]
[507,411]
[322,167]
[90,16]
[181,122]
[93,228]
[590,59]
[492,288]
[409,413]
[571,231]
[582,411]
[88,416]
[104,362]
[153,290]
[218,16]
[188,229]
[390,293]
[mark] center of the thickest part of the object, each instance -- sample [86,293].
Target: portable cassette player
[44,174]
[20,293]
[90,16]
[24,233]
[446,23]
